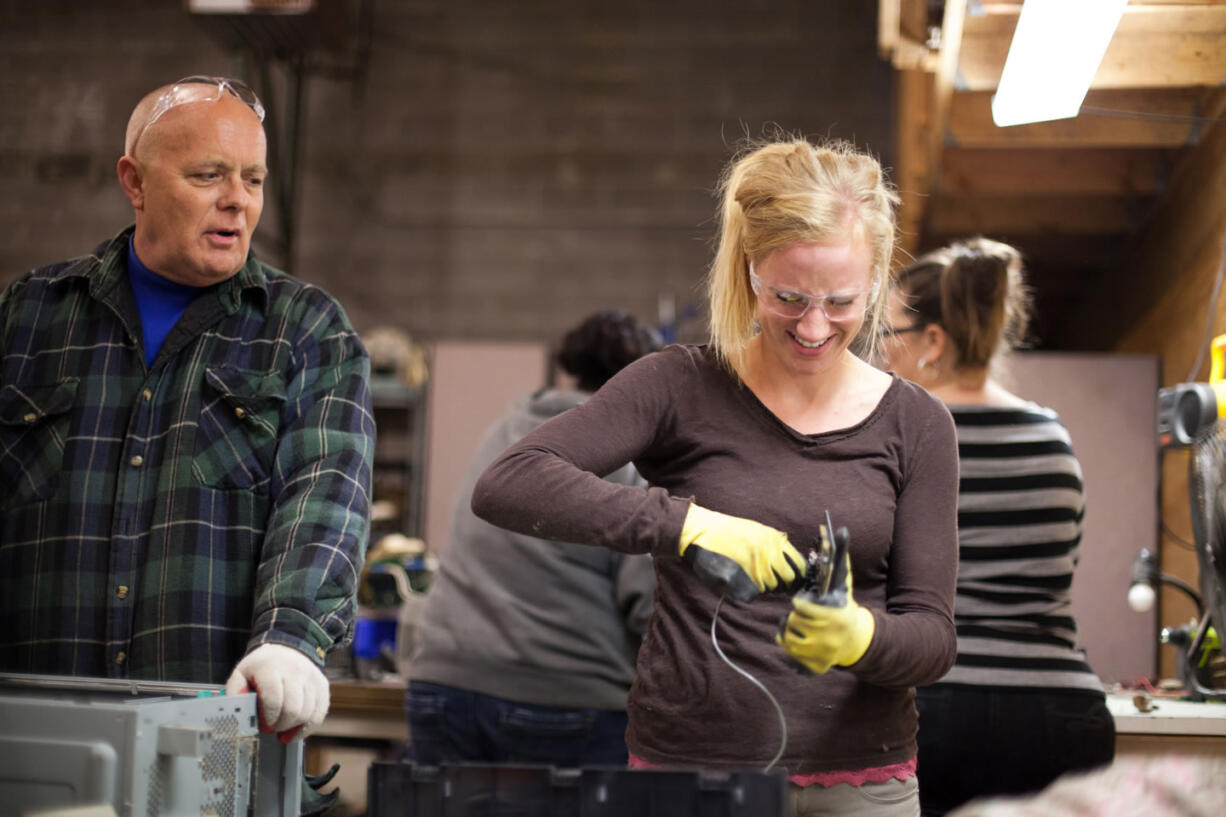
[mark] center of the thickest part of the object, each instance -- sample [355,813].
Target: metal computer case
[147,749]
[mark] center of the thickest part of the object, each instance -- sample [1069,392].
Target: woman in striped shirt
[1021,706]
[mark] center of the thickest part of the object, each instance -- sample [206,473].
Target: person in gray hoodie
[524,649]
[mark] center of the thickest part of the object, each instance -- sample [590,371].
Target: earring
[922,363]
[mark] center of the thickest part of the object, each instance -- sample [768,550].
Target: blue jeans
[450,725]
[979,743]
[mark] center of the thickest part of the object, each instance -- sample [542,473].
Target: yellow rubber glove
[821,637]
[740,556]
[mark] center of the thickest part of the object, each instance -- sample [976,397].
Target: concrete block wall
[504,167]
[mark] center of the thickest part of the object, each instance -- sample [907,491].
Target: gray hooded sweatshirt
[526,619]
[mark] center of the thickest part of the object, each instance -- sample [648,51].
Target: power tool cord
[783,724]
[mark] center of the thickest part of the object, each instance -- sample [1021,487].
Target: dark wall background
[494,171]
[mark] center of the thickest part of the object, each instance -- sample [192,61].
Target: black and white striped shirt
[1020,508]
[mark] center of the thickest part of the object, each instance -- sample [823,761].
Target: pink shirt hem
[852,777]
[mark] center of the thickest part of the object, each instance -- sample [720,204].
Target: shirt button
[240,413]
[122,591]
[148,395]
[137,461]
[30,417]
[119,659]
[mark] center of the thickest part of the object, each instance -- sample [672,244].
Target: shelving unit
[400,452]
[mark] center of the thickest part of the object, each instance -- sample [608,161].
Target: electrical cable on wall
[1176,538]
[1148,116]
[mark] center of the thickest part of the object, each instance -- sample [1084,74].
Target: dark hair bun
[602,345]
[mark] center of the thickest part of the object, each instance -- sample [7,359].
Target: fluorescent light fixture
[1056,50]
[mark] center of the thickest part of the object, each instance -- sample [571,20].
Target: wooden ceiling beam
[889,25]
[1134,121]
[913,94]
[923,99]
[902,38]
[902,35]
[1118,171]
[1007,215]
[1058,265]
[1153,47]
[943,81]
[913,19]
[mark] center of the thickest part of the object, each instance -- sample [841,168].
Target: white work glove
[291,691]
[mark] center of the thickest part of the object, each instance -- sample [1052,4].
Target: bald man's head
[139,120]
[196,181]
[189,90]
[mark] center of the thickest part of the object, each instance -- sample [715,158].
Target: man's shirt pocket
[240,422]
[34,423]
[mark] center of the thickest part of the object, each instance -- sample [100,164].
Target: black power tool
[825,580]
[824,572]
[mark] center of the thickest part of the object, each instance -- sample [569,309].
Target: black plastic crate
[498,790]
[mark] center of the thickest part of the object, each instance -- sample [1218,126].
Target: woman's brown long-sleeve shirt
[696,434]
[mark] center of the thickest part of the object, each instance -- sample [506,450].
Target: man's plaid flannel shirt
[159,522]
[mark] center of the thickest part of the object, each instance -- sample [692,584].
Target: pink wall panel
[470,386]
[1108,404]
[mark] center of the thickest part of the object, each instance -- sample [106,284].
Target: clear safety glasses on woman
[790,303]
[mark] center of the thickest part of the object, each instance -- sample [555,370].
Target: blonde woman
[747,442]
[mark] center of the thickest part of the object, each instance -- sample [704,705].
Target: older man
[185,435]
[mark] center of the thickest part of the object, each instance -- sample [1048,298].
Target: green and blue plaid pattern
[158,522]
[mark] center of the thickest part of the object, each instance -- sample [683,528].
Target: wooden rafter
[1127,118]
[1114,171]
[902,38]
[943,82]
[1050,213]
[1153,46]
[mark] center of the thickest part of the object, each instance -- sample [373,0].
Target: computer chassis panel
[145,748]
